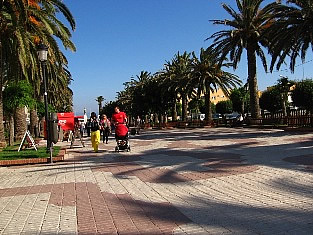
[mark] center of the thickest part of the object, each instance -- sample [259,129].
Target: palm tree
[59,93]
[208,76]
[9,26]
[140,103]
[23,25]
[181,66]
[100,99]
[246,32]
[166,76]
[291,32]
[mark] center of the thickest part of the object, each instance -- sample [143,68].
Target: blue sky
[116,39]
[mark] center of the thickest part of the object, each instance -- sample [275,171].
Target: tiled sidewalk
[201,181]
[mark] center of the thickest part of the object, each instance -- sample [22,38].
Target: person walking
[118,117]
[95,131]
[119,120]
[88,126]
[101,126]
[106,128]
[138,124]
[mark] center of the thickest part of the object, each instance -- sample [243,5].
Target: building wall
[218,96]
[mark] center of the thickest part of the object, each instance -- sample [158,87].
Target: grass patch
[11,153]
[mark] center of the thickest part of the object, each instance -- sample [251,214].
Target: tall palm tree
[246,32]
[181,68]
[167,77]
[208,76]
[140,103]
[100,99]
[291,32]
[23,25]
[42,18]
[12,17]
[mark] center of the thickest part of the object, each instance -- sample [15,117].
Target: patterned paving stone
[202,181]
[214,165]
[182,144]
[98,212]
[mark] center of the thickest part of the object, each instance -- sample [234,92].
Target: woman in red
[118,117]
[119,120]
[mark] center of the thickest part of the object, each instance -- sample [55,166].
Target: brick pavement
[201,181]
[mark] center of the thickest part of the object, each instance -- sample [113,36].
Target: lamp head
[42,52]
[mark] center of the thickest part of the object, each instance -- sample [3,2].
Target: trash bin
[53,127]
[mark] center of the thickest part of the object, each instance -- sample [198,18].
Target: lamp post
[43,56]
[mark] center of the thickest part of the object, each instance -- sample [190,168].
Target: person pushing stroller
[119,120]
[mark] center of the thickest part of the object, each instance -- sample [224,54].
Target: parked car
[194,116]
[217,116]
[231,116]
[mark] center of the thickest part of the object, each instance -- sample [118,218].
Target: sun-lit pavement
[201,181]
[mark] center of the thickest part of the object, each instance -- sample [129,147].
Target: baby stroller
[121,136]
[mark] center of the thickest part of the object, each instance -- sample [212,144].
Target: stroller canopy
[121,130]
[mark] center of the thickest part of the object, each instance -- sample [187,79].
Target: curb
[17,162]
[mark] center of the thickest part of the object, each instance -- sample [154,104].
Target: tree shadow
[293,188]
[172,164]
[215,134]
[221,215]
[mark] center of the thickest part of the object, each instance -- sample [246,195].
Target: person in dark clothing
[88,126]
[95,131]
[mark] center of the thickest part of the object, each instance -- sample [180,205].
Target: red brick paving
[218,165]
[182,144]
[106,213]
[237,144]
[142,143]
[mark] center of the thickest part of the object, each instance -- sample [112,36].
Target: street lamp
[43,56]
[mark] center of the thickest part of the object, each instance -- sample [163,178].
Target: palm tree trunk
[174,110]
[2,136]
[184,107]
[208,107]
[34,122]
[242,107]
[11,137]
[20,123]
[146,120]
[156,119]
[284,106]
[253,84]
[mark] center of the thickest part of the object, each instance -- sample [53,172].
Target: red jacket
[119,117]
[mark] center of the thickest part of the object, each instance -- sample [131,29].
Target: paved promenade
[200,181]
